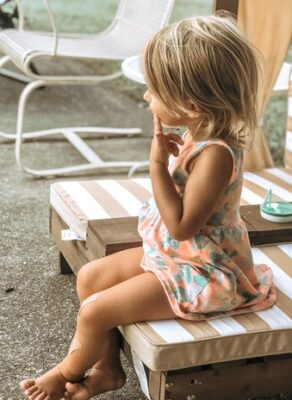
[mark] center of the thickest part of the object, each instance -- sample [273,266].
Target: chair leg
[29,88]
[11,74]
[64,267]
[71,134]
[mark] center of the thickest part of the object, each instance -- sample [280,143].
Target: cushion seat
[178,344]
[78,202]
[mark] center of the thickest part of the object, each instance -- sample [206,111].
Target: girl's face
[166,117]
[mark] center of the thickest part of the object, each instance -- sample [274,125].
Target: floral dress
[211,274]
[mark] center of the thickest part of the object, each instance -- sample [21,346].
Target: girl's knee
[86,310]
[93,314]
[86,278]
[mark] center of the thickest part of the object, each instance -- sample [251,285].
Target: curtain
[268,26]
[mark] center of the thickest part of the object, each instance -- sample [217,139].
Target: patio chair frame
[35,81]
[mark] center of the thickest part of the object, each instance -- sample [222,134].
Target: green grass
[90,16]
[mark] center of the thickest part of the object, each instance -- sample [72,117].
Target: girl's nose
[146,96]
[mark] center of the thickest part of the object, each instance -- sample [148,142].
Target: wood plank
[258,377]
[74,251]
[157,384]
[261,231]
[227,5]
[104,237]
[112,235]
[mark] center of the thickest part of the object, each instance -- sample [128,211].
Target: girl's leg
[94,277]
[138,299]
[108,271]
[107,374]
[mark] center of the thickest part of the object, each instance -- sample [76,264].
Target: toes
[42,396]
[31,390]
[71,388]
[27,383]
[34,395]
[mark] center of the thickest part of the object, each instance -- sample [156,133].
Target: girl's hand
[163,144]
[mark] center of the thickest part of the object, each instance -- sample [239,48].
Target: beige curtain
[268,25]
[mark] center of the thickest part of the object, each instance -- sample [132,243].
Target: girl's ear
[193,114]
[194,110]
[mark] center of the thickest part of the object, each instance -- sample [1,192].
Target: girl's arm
[211,171]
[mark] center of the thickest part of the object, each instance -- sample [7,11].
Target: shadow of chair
[134,23]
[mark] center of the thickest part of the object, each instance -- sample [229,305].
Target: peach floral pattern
[212,274]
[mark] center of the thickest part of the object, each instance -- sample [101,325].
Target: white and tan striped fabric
[177,344]
[256,185]
[174,344]
[77,202]
[288,144]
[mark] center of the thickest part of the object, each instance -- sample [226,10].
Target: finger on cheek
[157,124]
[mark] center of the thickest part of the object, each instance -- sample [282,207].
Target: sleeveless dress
[212,274]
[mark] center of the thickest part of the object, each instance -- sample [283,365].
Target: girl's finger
[174,137]
[157,125]
[173,148]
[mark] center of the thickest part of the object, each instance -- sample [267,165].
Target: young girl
[196,261]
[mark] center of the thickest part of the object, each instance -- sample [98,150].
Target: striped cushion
[77,202]
[174,344]
[257,183]
[288,145]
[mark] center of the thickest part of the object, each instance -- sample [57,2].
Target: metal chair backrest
[138,20]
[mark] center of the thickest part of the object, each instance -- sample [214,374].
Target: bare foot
[49,386]
[97,382]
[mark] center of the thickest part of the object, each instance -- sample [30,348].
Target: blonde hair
[205,62]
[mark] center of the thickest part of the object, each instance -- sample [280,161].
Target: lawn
[90,16]
[94,15]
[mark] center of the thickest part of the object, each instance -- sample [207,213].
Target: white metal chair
[134,23]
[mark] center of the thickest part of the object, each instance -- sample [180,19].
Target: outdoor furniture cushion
[177,344]
[78,202]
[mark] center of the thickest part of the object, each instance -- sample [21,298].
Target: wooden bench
[180,359]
